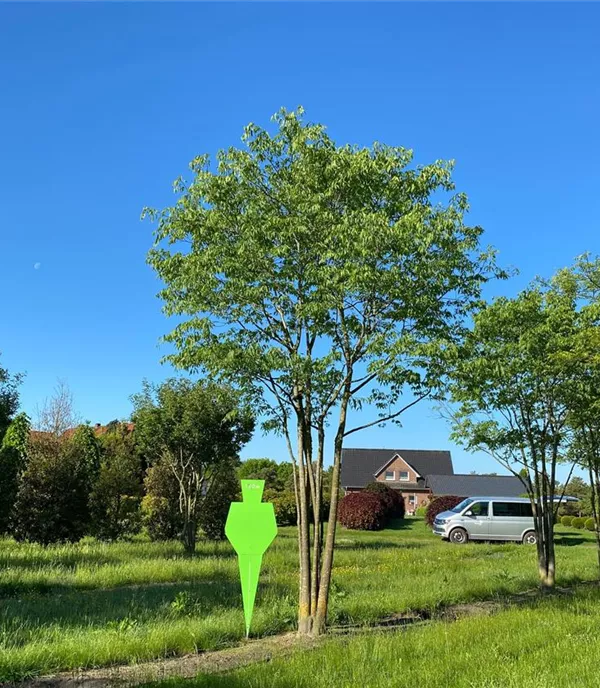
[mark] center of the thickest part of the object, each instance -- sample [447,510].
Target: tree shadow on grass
[570,539]
[102,608]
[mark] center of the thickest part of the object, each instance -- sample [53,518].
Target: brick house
[420,474]
[402,469]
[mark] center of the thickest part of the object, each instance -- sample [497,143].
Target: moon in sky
[37,266]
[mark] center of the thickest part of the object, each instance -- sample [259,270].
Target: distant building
[419,474]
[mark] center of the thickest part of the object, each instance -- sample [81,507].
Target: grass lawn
[553,643]
[96,604]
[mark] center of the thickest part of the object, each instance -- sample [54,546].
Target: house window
[403,475]
[389,475]
[411,499]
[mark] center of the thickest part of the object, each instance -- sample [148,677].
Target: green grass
[553,643]
[94,604]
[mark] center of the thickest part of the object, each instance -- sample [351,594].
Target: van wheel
[459,536]
[530,538]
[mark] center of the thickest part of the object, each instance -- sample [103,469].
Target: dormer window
[403,475]
[389,475]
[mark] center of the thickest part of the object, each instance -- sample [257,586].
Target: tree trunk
[189,535]
[304,607]
[327,566]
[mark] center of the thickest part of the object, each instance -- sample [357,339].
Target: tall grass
[95,604]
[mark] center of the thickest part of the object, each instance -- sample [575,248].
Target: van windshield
[463,505]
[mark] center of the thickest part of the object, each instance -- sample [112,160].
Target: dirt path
[266,649]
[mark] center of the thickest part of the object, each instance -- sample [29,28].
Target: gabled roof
[393,458]
[481,485]
[359,466]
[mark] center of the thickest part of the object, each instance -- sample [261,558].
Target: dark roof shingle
[360,465]
[480,485]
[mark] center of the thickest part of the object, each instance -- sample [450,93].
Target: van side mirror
[468,513]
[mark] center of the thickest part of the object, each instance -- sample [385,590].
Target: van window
[512,509]
[479,509]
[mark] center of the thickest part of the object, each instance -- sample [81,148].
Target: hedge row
[579,522]
[370,509]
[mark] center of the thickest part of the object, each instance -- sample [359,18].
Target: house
[420,474]
[402,469]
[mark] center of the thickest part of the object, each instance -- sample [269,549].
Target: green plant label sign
[251,528]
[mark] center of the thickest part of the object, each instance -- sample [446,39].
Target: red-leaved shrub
[439,504]
[393,500]
[362,511]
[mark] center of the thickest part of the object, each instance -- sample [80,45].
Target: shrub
[117,491]
[439,504]
[215,506]
[284,504]
[590,524]
[52,501]
[393,500]
[578,522]
[566,520]
[362,511]
[420,511]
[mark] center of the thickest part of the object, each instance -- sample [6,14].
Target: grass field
[94,604]
[553,643]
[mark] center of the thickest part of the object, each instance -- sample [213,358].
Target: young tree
[319,279]
[57,413]
[512,385]
[194,428]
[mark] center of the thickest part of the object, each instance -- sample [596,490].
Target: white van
[487,518]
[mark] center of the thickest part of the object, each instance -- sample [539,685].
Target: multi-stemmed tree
[513,383]
[318,279]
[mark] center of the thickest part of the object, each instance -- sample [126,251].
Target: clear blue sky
[103,106]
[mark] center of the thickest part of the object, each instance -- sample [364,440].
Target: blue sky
[103,106]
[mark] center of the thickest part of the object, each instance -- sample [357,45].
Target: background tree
[512,386]
[317,278]
[13,461]
[225,489]
[117,491]
[57,413]
[52,503]
[160,505]
[194,429]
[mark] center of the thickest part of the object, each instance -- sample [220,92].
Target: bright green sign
[251,528]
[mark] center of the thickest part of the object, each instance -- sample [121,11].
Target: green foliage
[13,460]
[421,511]
[590,524]
[324,230]
[363,511]
[578,522]
[439,504]
[284,503]
[161,514]
[194,429]
[277,476]
[117,491]
[566,520]
[393,500]
[9,398]
[225,489]
[576,487]
[52,501]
